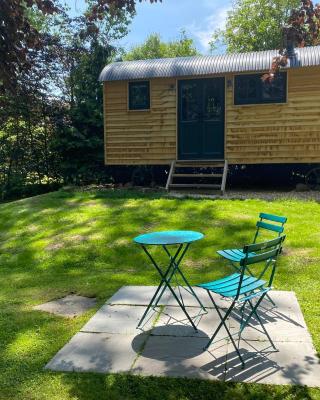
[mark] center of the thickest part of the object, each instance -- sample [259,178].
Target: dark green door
[201,119]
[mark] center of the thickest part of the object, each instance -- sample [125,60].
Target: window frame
[129,105]
[260,100]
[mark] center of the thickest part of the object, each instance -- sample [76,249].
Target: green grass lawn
[73,242]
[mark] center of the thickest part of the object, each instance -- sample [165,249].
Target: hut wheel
[313,178]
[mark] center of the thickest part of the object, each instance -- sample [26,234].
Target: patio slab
[292,364]
[97,352]
[286,301]
[137,295]
[284,323]
[69,306]
[119,319]
[169,346]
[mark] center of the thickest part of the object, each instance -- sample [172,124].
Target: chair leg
[262,325]
[246,322]
[223,323]
[254,312]
[242,309]
[271,301]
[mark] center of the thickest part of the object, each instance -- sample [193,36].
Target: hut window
[139,95]
[250,89]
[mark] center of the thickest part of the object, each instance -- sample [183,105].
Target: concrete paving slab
[181,356]
[284,323]
[97,352]
[292,364]
[293,319]
[69,306]
[109,342]
[286,301]
[119,319]
[137,295]
[173,322]
[279,331]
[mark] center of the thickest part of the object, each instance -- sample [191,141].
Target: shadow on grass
[107,259]
[129,387]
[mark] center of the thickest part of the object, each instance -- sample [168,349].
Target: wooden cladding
[277,133]
[140,136]
[263,133]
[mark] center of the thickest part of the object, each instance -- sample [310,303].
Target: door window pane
[189,102]
[212,102]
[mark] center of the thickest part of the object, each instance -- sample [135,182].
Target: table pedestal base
[173,271]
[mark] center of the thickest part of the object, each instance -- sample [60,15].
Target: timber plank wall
[277,133]
[264,133]
[140,137]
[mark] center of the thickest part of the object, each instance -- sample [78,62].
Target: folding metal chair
[242,288]
[235,255]
[274,225]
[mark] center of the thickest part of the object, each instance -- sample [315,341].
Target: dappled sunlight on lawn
[72,242]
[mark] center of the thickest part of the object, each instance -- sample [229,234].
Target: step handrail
[224,177]
[169,180]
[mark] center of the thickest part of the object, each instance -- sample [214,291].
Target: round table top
[168,237]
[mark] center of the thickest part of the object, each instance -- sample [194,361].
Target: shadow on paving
[174,356]
[181,353]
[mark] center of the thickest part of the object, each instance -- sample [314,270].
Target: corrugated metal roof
[205,65]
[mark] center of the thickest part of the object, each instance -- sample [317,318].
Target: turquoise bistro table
[178,242]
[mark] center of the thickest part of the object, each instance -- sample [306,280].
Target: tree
[154,47]
[254,25]
[302,29]
[51,123]
[26,160]
[19,36]
[79,139]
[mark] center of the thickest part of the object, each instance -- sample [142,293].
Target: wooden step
[195,186]
[175,165]
[197,175]
[200,161]
[198,165]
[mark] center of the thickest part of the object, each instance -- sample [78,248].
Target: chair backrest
[273,248]
[264,252]
[270,223]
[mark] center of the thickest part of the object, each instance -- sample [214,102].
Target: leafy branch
[302,29]
[20,36]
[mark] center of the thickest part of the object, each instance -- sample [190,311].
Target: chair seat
[228,286]
[234,255]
